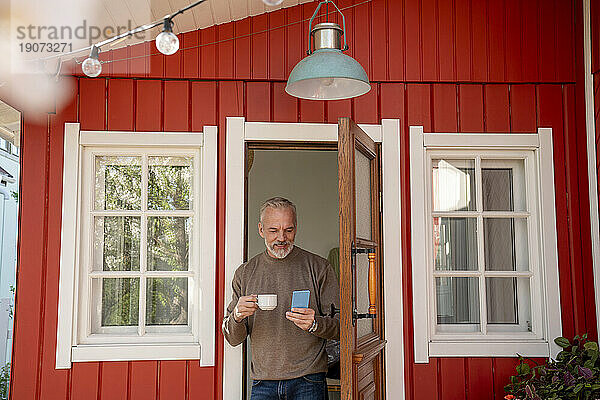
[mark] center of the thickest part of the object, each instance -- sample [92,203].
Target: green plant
[575,374]
[4,381]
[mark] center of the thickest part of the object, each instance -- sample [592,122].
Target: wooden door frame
[238,132]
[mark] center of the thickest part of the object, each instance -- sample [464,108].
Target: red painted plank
[204,105]
[285,107]
[503,368]
[452,378]
[550,114]
[173,65]
[258,100]
[446,40]
[479,40]
[120,104]
[242,49]
[362,37]
[365,107]
[412,22]
[595,22]
[379,48]
[463,41]
[396,49]
[429,44]
[522,109]
[31,265]
[200,381]
[157,62]
[311,111]
[338,109]
[276,39]
[497,113]
[259,46]
[514,42]
[120,67]
[470,99]
[148,106]
[530,38]
[419,107]
[497,37]
[114,380]
[392,101]
[480,380]
[189,53]
[208,53]
[138,65]
[565,40]
[91,103]
[225,51]
[172,380]
[84,380]
[176,103]
[142,381]
[426,380]
[106,66]
[444,108]
[294,50]
[547,45]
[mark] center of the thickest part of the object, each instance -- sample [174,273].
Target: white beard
[280,253]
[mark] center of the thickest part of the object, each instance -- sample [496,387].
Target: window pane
[363,195]
[168,243]
[455,244]
[117,243]
[508,304]
[505,244]
[457,301]
[364,326]
[503,185]
[118,183]
[166,301]
[169,183]
[453,185]
[120,301]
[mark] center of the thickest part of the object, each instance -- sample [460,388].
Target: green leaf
[591,346]
[523,369]
[562,342]
[578,388]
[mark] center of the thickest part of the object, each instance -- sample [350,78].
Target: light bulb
[272,2]
[166,41]
[327,81]
[91,66]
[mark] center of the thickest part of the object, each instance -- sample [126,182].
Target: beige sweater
[281,350]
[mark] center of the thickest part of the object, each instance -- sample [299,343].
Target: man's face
[278,230]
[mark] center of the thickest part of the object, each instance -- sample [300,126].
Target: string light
[166,41]
[272,2]
[91,66]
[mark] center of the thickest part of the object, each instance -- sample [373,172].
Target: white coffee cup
[267,302]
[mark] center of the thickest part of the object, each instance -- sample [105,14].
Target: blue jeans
[307,387]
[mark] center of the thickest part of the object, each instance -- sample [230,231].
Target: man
[288,345]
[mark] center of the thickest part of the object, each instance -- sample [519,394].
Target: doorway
[307,176]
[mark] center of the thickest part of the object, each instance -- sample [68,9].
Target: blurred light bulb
[166,41]
[91,66]
[272,2]
[327,81]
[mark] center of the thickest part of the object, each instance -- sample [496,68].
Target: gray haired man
[288,345]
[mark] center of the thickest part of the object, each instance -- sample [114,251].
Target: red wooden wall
[460,65]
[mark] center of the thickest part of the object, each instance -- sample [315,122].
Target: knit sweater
[280,349]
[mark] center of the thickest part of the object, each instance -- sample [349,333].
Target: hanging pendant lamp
[327,73]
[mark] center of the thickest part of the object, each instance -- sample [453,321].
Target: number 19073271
[48,47]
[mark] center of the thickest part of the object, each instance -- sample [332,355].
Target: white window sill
[137,352]
[488,349]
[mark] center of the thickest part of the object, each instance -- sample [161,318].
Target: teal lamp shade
[328,74]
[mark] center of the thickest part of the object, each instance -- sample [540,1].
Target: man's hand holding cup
[246,306]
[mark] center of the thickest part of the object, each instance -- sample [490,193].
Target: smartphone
[300,298]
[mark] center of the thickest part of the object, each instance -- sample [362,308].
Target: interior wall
[308,179]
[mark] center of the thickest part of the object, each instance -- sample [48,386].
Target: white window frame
[536,151]
[75,343]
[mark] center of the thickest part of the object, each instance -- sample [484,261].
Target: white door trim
[591,152]
[388,134]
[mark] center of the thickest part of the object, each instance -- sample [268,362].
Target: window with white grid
[138,250]
[485,276]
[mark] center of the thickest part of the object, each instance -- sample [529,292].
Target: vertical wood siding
[460,65]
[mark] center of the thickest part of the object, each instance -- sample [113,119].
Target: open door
[362,344]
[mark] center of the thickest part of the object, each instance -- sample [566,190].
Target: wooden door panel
[361,314]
